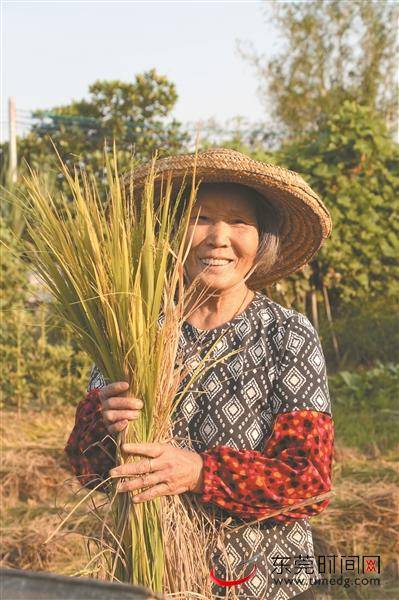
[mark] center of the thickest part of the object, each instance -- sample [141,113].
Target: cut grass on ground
[38,490]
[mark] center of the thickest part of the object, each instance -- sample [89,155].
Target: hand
[173,471]
[118,410]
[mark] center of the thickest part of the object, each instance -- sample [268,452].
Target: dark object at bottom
[18,584]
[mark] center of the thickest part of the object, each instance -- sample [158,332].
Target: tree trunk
[269,292]
[295,292]
[330,320]
[315,314]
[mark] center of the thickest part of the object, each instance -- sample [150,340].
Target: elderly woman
[261,423]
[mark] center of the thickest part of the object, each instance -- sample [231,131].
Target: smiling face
[226,231]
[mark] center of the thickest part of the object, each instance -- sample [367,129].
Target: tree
[353,164]
[332,51]
[136,115]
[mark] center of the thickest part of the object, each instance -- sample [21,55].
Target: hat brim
[305,220]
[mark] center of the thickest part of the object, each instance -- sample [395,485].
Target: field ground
[38,490]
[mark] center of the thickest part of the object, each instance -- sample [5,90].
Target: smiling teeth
[214,261]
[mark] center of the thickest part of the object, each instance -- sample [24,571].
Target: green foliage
[367,332]
[351,161]
[14,280]
[14,335]
[37,373]
[41,366]
[137,115]
[365,407]
[331,51]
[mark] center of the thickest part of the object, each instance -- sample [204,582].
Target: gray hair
[269,232]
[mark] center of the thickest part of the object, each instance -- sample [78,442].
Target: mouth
[217,264]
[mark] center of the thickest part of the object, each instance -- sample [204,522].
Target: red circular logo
[227,583]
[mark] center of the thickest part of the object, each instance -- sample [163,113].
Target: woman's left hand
[173,471]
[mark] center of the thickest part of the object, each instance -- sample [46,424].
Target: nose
[218,234]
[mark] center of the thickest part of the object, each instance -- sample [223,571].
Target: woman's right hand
[118,410]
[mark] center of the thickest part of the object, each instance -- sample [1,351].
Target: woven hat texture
[305,222]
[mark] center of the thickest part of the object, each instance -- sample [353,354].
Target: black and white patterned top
[280,371]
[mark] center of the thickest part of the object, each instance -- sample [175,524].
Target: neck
[218,306]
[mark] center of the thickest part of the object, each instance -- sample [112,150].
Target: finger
[162,489]
[113,389]
[111,416]
[128,403]
[119,426]
[153,449]
[137,468]
[137,483]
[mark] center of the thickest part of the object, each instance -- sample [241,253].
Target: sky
[52,51]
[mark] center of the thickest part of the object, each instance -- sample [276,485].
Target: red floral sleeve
[89,462]
[296,464]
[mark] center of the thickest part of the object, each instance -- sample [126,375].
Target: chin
[217,283]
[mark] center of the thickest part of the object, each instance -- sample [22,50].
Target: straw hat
[304,220]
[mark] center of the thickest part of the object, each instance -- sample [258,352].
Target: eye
[239,221]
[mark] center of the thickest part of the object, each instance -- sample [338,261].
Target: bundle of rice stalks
[112,271]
